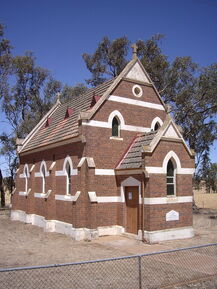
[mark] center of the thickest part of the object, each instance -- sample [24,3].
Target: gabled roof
[62,128]
[148,142]
[123,75]
[133,157]
[169,130]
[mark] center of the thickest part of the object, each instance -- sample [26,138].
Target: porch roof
[133,157]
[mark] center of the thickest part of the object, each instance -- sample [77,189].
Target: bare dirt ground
[26,245]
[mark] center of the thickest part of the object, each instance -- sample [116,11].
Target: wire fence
[153,270]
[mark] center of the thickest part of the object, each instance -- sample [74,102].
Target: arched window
[68,179]
[171,178]
[26,178]
[157,126]
[115,127]
[43,173]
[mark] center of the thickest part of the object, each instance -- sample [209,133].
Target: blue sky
[58,32]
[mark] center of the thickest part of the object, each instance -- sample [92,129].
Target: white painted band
[109,199]
[150,170]
[162,170]
[39,174]
[68,198]
[104,172]
[104,124]
[167,200]
[74,172]
[22,193]
[135,102]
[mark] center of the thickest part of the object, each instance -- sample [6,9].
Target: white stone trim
[114,199]
[137,73]
[117,114]
[154,121]
[22,193]
[150,170]
[104,172]
[107,199]
[168,200]
[161,170]
[77,234]
[123,126]
[110,230]
[74,172]
[32,168]
[25,193]
[104,124]
[135,102]
[38,175]
[169,234]
[92,197]
[43,195]
[84,233]
[131,182]
[140,88]
[68,198]
[116,138]
[52,165]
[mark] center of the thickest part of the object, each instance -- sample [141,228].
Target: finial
[135,48]
[58,97]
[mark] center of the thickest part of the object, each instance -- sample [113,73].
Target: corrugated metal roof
[62,128]
[133,157]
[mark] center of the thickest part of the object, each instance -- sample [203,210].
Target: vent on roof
[94,100]
[48,122]
[69,112]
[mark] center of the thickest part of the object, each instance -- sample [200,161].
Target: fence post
[140,272]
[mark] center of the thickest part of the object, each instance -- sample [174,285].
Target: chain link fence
[153,270]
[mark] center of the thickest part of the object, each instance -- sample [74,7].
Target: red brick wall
[106,153]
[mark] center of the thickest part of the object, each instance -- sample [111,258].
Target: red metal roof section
[94,100]
[69,112]
[48,122]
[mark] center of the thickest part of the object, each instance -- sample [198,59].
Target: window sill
[116,138]
[68,197]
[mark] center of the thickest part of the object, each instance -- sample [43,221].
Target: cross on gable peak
[135,48]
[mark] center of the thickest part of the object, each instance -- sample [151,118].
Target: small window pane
[115,127]
[68,171]
[170,189]
[157,125]
[170,169]
[170,180]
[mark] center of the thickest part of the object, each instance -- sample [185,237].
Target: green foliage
[210,177]
[72,91]
[5,62]
[108,59]
[31,95]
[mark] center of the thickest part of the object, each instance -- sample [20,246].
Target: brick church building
[111,161]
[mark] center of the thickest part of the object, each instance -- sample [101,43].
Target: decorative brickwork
[97,203]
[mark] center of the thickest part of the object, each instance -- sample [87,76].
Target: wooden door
[132,204]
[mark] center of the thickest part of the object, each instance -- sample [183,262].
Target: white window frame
[68,161]
[26,176]
[68,178]
[174,177]
[43,176]
[154,121]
